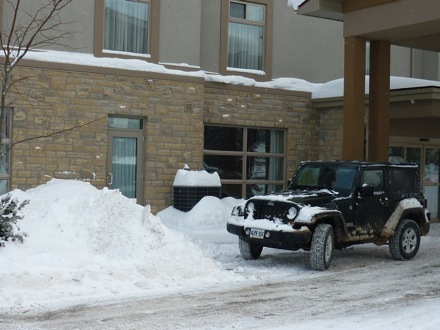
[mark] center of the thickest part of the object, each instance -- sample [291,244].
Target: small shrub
[9,215]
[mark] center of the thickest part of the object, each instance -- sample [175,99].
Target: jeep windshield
[332,176]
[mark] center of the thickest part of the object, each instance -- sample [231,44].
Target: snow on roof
[85,59]
[329,89]
[335,88]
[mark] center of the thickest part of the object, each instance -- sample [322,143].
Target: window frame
[245,154]
[153,34]
[138,133]
[267,43]
[7,141]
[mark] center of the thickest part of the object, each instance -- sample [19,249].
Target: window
[250,161]
[374,178]
[126,28]
[247,28]
[404,182]
[5,153]
[336,177]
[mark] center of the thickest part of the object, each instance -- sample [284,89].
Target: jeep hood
[302,197]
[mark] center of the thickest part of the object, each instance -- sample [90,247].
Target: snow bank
[206,221]
[84,242]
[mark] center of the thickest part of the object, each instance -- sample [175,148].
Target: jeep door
[371,208]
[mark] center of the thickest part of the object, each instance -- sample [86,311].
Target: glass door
[427,157]
[125,157]
[431,180]
[124,165]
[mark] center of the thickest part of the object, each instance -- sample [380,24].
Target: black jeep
[335,204]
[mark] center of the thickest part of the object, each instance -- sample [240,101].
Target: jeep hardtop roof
[361,163]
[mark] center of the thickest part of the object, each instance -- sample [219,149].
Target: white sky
[294,3]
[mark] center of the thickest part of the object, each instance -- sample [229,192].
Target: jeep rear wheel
[249,251]
[321,250]
[405,243]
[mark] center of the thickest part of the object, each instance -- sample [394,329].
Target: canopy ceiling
[407,23]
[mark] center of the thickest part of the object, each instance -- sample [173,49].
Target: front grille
[271,210]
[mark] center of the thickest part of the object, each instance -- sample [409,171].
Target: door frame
[128,133]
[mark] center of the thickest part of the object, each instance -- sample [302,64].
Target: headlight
[292,213]
[250,208]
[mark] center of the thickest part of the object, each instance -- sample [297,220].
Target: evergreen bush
[9,215]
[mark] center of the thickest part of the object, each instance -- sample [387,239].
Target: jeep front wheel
[405,243]
[249,251]
[321,250]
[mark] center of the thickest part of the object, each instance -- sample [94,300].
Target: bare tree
[38,25]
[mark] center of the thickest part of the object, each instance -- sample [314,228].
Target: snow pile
[207,219]
[84,242]
[187,178]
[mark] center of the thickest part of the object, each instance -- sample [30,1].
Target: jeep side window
[373,178]
[403,181]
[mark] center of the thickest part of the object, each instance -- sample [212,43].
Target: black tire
[405,242]
[249,251]
[321,250]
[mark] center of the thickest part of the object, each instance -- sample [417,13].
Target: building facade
[146,87]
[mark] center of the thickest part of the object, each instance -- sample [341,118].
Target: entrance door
[125,155]
[426,155]
[431,180]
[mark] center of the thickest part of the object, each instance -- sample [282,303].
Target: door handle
[110,176]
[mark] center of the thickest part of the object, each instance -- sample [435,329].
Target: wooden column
[379,102]
[354,99]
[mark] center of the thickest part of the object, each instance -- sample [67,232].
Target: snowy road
[364,288]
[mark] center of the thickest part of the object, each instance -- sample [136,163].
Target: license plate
[257,233]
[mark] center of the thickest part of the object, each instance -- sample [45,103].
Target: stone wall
[60,127]
[60,123]
[330,134]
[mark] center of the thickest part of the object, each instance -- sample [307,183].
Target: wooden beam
[379,101]
[354,99]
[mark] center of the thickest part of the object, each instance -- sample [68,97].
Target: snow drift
[85,242]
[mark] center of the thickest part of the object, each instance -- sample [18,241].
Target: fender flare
[405,206]
[337,221]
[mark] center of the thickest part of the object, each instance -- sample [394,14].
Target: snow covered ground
[87,245]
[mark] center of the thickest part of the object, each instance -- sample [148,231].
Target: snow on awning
[335,88]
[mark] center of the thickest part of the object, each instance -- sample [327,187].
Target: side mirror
[367,190]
